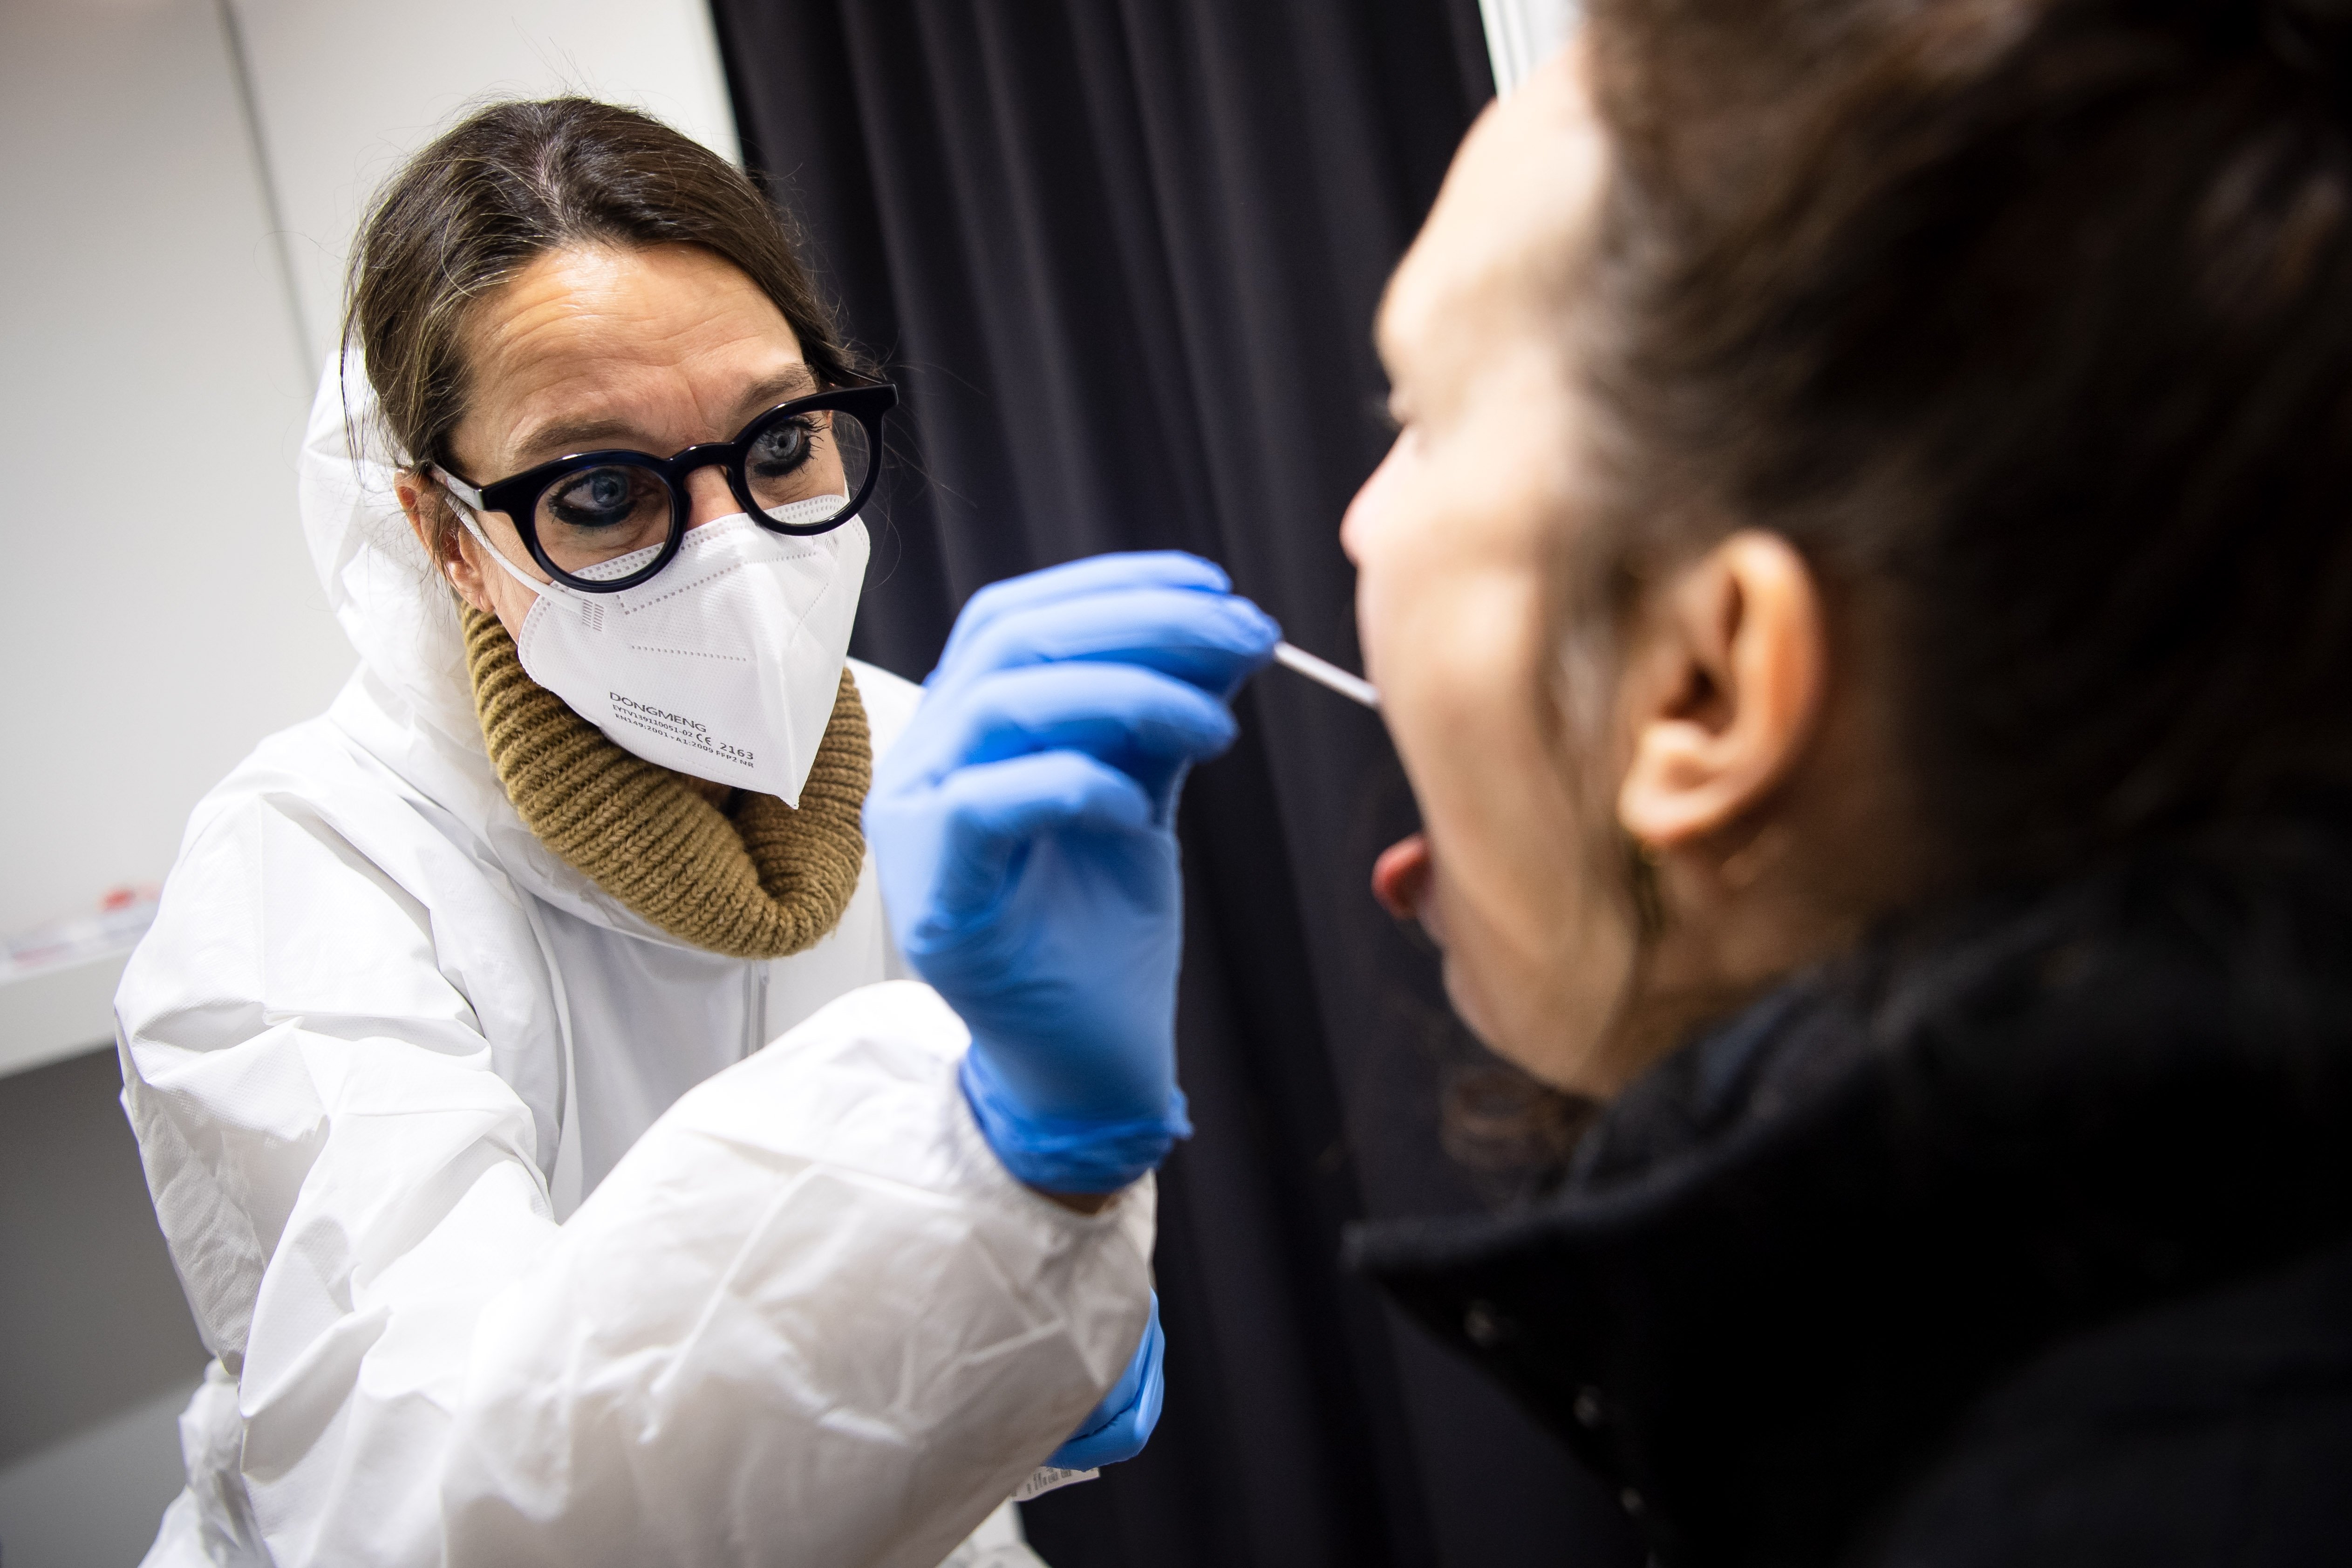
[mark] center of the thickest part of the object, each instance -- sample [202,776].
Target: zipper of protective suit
[756,1030]
[565,1181]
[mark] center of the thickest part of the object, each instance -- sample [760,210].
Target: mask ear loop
[468,503]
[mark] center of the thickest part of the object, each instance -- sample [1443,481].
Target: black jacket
[2023,1236]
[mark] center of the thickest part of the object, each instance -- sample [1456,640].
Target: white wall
[157,611]
[344,90]
[1523,34]
[181,178]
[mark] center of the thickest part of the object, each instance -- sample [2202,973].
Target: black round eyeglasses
[601,521]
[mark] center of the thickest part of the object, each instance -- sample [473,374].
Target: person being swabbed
[1862,592]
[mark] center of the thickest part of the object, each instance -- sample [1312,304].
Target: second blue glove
[1122,1423]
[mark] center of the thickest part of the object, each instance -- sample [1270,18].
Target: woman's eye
[596,498]
[783,447]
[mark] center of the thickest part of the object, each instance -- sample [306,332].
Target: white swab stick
[1323,673]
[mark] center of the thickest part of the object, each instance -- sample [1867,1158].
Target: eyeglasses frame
[517,495]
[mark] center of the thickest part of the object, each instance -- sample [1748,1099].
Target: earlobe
[1734,669]
[416,504]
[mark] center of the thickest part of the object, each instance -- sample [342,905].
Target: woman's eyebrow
[564,437]
[793,381]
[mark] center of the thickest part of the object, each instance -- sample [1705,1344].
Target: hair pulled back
[2031,321]
[515,180]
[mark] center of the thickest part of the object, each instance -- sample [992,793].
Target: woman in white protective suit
[445,1055]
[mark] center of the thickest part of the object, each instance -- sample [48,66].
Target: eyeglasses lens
[592,521]
[804,469]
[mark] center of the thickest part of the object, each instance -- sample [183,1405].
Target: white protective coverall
[379,1045]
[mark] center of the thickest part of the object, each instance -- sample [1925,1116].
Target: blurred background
[1122,257]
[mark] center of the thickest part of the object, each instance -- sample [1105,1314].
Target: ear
[422,504]
[1732,670]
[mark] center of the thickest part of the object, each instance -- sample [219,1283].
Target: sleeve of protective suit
[808,1319]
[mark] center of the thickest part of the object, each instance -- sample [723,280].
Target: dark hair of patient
[2030,324]
[514,181]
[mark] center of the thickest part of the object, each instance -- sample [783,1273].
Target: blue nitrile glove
[1120,1427]
[1023,828]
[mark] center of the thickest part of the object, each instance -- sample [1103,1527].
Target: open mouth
[1400,876]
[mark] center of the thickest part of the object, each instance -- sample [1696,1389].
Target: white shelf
[59,1013]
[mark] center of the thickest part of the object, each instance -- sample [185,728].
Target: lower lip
[1400,876]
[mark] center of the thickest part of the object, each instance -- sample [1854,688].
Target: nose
[706,488]
[1358,516]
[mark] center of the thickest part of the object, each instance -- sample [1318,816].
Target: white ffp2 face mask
[725,666]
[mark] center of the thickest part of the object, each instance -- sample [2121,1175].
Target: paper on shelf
[120,919]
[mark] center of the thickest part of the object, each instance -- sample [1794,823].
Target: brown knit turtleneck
[763,882]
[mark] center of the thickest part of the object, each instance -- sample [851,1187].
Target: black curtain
[1122,257]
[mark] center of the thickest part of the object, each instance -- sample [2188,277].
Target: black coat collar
[1789,1258]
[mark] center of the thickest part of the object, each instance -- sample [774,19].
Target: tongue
[1400,875]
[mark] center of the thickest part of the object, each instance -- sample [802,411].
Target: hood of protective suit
[391,604]
[411,704]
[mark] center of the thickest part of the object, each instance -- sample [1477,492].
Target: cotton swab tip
[1324,673]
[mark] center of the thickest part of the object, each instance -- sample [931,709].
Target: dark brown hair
[2033,319]
[515,180]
